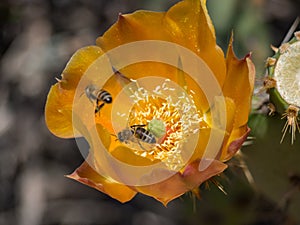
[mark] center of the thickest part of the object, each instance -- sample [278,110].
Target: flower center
[161,122]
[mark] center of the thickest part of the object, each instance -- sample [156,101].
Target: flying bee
[100,96]
[136,133]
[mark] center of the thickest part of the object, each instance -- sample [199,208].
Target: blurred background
[37,38]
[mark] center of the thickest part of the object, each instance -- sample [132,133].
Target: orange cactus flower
[160,106]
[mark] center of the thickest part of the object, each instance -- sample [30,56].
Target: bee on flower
[136,133]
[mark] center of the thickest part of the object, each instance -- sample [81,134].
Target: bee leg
[114,136]
[140,145]
[119,74]
[98,107]
[138,125]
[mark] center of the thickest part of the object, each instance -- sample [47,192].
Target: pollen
[171,118]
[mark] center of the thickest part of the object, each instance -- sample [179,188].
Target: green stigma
[157,128]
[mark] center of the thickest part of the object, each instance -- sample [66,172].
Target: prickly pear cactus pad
[275,167]
[283,84]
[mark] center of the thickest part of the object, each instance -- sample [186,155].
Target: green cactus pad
[283,83]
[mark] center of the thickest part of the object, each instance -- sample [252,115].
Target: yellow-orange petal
[217,114]
[140,25]
[58,112]
[189,24]
[78,65]
[235,145]
[186,23]
[126,155]
[58,109]
[179,184]
[239,85]
[189,20]
[237,137]
[86,175]
[204,134]
[166,190]
[193,176]
[203,139]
